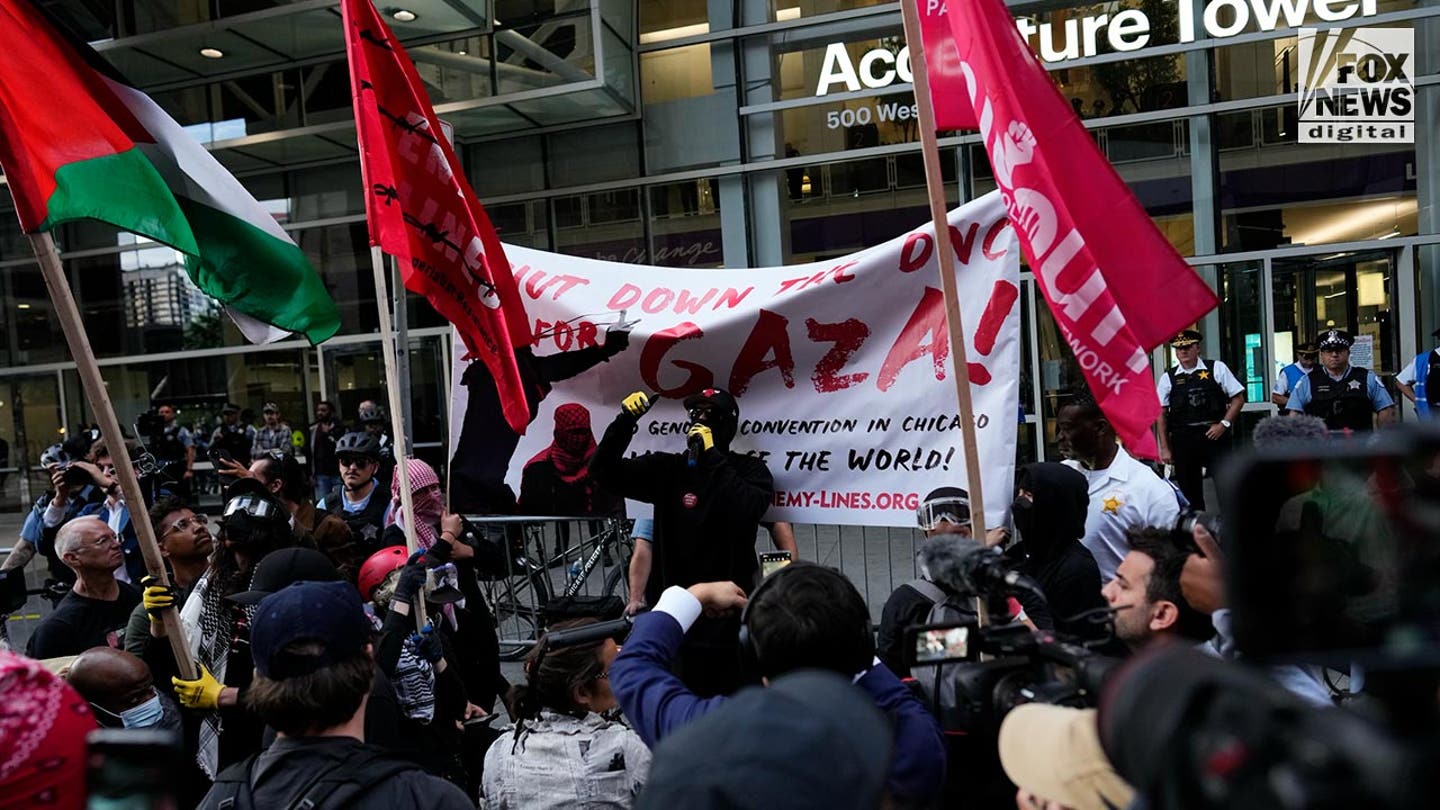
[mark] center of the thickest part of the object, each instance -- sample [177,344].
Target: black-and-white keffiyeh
[209,621]
[414,678]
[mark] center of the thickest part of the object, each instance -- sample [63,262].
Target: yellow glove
[637,404]
[201,693]
[156,597]
[703,435]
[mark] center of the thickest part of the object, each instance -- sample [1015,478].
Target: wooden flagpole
[935,184]
[44,246]
[392,377]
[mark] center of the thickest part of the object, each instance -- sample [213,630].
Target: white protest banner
[840,367]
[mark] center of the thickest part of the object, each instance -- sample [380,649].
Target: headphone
[750,652]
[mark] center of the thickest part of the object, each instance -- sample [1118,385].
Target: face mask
[145,715]
[1022,512]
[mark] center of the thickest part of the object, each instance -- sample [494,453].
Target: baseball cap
[328,614]
[718,398]
[827,746]
[284,567]
[1054,752]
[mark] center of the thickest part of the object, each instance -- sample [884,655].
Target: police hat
[270,407]
[1334,338]
[1187,337]
[230,407]
[1308,347]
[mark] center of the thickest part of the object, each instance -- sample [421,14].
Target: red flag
[422,211]
[1116,286]
[948,95]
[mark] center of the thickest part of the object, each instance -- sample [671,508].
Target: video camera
[1332,560]
[973,675]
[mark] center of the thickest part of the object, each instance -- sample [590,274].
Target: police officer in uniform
[233,436]
[1306,356]
[174,448]
[360,501]
[1200,400]
[1419,381]
[1348,398]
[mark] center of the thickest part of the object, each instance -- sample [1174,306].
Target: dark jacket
[657,704]
[1051,551]
[282,771]
[706,516]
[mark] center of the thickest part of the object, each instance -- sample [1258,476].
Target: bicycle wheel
[518,605]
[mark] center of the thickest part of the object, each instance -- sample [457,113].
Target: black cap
[1308,347]
[827,745]
[1336,337]
[1186,337]
[329,614]
[719,398]
[280,569]
[230,407]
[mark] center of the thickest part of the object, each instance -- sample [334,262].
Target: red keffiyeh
[574,443]
[43,723]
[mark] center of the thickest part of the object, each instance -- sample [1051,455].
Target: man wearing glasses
[186,544]
[359,500]
[94,612]
[708,504]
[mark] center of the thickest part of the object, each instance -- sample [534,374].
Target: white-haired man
[95,611]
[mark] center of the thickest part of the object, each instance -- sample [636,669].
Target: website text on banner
[421,210]
[841,368]
[1116,286]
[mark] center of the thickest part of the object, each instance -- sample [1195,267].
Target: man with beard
[360,500]
[708,505]
[1049,511]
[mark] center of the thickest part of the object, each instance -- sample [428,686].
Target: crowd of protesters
[333,668]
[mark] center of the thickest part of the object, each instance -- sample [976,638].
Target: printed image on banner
[1357,85]
[842,369]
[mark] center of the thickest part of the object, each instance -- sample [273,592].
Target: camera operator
[73,493]
[804,616]
[1153,609]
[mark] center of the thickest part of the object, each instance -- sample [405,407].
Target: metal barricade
[535,561]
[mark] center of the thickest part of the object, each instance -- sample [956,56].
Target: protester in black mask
[1051,503]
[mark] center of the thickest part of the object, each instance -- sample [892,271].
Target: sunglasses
[354,461]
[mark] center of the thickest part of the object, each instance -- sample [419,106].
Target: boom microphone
[964,565]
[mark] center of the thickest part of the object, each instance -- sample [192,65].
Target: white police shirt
[1126,495]
[1226,378]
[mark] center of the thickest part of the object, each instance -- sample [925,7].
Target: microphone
[617,629]
[694,446]
[964,565]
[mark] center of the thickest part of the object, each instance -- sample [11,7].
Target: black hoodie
[1050,533]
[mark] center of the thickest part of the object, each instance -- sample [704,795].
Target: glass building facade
[711,133]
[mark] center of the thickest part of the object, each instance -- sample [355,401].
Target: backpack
[326,790]
[945,685]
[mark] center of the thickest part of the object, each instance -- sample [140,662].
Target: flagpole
[49,258]
[402,448]
[935,184]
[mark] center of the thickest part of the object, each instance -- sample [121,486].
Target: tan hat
[1054,752]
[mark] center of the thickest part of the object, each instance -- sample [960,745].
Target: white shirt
[1126,495]
[1228,383]
[1407,372]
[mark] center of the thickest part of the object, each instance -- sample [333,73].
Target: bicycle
[522,595]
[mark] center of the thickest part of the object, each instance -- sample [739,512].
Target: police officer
[1419,381]
[359,501]
[1345,396]
[1306,356]
[233,436]
[174,447]
[1200,399]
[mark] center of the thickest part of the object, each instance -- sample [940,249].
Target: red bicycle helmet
[375,569]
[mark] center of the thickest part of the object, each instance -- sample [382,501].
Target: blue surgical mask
[145,715]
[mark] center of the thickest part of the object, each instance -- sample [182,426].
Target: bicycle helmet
[358,444]
[372,413]
[375,569]
[54,456]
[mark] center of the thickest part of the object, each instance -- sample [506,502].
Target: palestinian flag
[76,142]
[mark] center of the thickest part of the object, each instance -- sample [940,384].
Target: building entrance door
[1354,291]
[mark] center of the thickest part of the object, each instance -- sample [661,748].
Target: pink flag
[1114,283]
[942,67]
